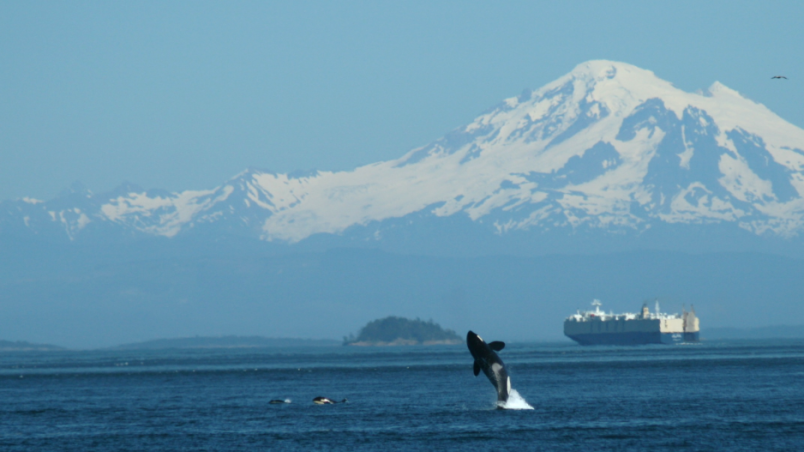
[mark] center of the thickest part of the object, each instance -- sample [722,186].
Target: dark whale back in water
[326,401]
[487,360]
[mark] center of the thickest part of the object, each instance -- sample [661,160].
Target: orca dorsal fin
[497,345]
[477,368]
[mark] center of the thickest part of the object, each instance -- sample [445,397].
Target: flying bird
[778,76]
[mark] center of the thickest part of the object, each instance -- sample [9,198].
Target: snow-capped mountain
[608,147]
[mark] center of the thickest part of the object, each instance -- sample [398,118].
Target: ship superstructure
[596,327]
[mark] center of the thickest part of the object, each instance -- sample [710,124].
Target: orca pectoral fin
[477,368]
[497,346]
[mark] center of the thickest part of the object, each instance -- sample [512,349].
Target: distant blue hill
[226,342]
[23,346]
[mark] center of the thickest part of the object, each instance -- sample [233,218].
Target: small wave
[516,402]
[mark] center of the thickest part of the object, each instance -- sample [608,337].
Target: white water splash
[516,402]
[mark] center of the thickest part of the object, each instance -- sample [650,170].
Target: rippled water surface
[711,396]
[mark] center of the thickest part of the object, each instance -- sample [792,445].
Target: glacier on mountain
[608,146]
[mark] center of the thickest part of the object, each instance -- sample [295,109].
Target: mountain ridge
[608,146]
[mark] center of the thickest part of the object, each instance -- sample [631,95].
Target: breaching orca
[487,360]
[326,401]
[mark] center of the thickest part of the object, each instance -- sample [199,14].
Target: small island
[401,331]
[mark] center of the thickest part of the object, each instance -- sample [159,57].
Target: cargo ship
[597,327]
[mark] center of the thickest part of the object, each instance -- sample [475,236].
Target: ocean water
[710,396]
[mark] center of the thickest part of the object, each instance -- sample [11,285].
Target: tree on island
[401,331]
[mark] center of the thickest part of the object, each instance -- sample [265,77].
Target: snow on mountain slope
[608,145]
[568,153]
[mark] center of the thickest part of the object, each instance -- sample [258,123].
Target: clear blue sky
[184,95]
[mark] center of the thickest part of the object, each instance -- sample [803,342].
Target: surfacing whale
[326,401]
